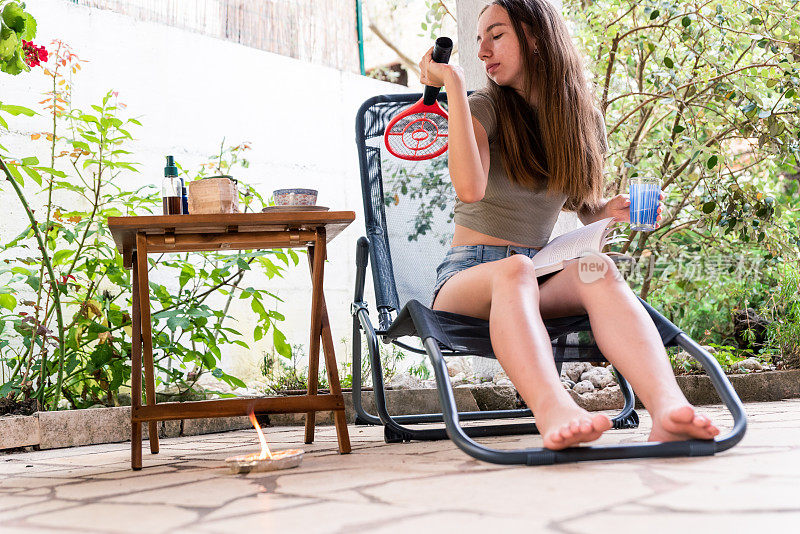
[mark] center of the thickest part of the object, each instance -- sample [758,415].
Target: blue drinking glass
[645,195]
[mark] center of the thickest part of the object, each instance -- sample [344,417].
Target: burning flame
[265,453]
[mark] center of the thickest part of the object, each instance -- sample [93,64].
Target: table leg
[339,416]
[147,335]
[316,259]
[136,371]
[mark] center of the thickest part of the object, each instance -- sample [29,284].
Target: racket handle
[441,54]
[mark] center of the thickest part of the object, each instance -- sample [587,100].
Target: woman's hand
[437,74]
[619,207]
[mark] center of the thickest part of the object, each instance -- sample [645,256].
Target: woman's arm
[468,160]
[588,216]
[468,144]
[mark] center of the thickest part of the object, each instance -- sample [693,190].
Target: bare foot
[563,423]
[681,423]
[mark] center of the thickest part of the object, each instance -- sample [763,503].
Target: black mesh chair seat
[470,335]
[408,213]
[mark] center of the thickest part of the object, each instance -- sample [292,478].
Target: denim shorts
[463,257]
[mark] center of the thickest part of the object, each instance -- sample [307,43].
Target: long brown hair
[558,144]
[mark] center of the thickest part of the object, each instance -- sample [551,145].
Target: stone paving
[410,487]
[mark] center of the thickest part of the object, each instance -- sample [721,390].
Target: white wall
[190,91]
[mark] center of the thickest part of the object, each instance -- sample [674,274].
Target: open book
[570,246]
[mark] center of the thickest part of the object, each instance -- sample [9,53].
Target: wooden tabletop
[124,229]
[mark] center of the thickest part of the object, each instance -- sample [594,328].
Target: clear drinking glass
[645,195]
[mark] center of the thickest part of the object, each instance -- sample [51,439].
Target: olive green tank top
[507,210]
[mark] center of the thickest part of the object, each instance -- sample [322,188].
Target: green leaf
[8,301]
[15,173]
[48,170]
[654,15]
[708,207]
[712,162]
[668,62]
[101,355]
[279,340]
[81,145]
[30,27]
[17,110]
[85,117]
[33,174]
[173,323]
[232,380]
[258,308]
[686,22]
[187,273]
[61,256]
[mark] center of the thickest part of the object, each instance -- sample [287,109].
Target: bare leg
[628,338]
[522,345]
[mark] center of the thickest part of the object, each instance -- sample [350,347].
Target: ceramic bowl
[295,197]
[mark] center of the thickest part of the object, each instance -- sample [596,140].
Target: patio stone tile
[9,468]
[36,492]
[463,523]
[262,502]
[7,529]
[210,493]
[33,483]
[132,518]
[319,518]
[778,463]
[9,502]
[332,480]
[776,495]
[105,488]
[546,492]
[127,472]
[661,522]
[30,510]
[91,460]
[84,472]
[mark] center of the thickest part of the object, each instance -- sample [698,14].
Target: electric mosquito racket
[420,131]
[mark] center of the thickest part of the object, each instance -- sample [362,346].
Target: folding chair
[406,239]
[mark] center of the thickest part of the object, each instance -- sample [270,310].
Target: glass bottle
[171,190]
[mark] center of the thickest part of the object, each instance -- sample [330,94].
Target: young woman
[522,149]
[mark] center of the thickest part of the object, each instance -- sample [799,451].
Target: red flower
[33,54]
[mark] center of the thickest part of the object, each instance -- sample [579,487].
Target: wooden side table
[136,237]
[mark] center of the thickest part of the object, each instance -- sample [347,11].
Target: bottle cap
[170,169]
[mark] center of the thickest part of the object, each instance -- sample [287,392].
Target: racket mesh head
[418,136]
